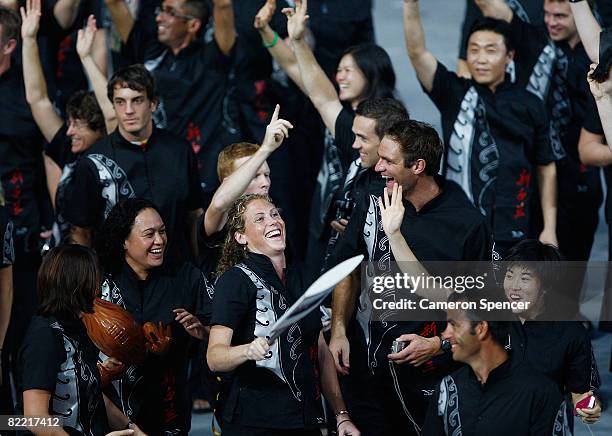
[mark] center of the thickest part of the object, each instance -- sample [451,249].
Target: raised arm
[498,9]
[122,18]
[317,85]
[225,29]
[65,12]
[277,47]
[423,61]
[42,109]
[234,186]
[85,42]
[588,28]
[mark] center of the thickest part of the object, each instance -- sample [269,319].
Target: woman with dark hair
[58,374]
[276,388]
[85,122]
[559,348]
[131,245]
[364,72]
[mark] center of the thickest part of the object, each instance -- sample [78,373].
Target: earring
[244,246]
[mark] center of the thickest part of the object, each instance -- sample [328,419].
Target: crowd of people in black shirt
[195,165]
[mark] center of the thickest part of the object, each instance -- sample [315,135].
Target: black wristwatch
[445,345]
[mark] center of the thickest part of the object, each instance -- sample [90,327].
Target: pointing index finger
[275,114]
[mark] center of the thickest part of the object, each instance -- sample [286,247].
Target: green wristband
[272,43]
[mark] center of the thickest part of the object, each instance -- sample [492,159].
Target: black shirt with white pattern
[514,400]
[57,356]
[283,390]
[162,171]
[494,141]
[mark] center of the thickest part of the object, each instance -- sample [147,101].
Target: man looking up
[495,132]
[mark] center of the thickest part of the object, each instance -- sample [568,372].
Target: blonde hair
[233,253]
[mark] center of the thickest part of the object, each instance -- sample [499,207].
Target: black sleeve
[59,148]
[40,357]
[84,207]
[7,255]
[591,121]
[142,45]
[344,137]
[543,148]
[433,422]
[232,299]
[604,8]
[582,372]
[446,89]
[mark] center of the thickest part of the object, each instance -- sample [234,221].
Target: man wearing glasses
[191,73]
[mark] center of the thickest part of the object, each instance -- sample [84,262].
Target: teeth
[156,251]
[273,233]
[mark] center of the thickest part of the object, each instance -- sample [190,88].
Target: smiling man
[137,160]
[440,224]
[192,73]
[495,392]
[496,132]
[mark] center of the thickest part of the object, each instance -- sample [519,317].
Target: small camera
[343,209]
[397,346]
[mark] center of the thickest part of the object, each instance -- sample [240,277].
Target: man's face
[462,336]
[366,140]
[522,285]
[134,112]
[390,165]
[487,57]
[172,23]
[559,20]
[260,184]
[81,135]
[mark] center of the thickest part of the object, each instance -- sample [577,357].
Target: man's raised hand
[30,19]
[263,17]
[296,19]
[85,38]
[391,210]
[276,132]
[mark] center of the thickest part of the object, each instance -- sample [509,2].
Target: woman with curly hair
[131,245]
[276,388]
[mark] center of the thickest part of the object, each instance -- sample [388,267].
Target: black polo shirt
[163,172]
[20,152]
[282,392]
[155,394]
[560,349]
[192,87]
[493,143]
[515,400]
[57,356]
[447,228]
[7,250]
[556,73]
